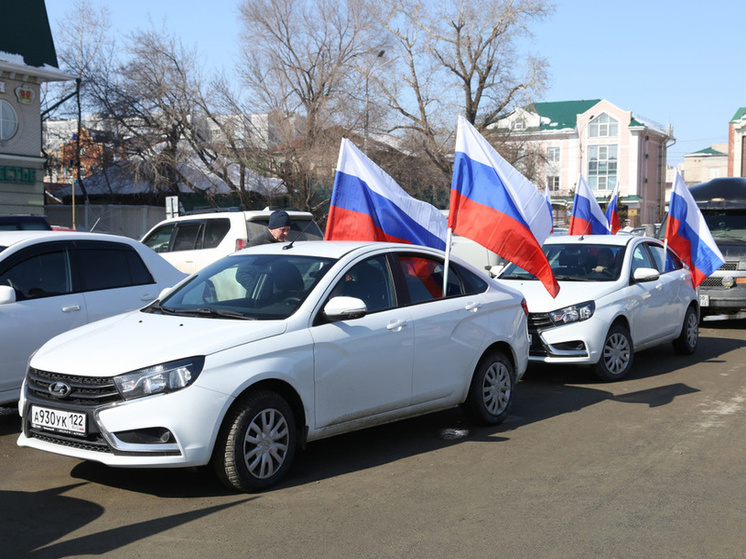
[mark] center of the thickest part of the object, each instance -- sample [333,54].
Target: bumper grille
[539,321]
[84,391]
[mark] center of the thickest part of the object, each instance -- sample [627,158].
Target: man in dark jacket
[277,229]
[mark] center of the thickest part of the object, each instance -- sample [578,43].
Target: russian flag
[496,206]
[688,235]
[368,205]
[612,213]
[548,198]
[586,217]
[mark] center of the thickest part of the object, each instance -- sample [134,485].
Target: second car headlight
[573,313]
[166,377]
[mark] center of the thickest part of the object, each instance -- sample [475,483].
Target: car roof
[611,240]
[247,215]
[334,249]
[9,238]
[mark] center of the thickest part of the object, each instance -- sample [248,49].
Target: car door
[45,306]
[676,286]
[447,333]
[649,315]
[363,366]
[112,277]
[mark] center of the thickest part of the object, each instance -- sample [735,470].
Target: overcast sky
[672,62]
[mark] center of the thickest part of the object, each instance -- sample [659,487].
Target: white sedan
[52,281]
[618,294]
[274,346]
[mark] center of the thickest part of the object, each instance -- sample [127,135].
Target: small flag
[586,217]
[612,213]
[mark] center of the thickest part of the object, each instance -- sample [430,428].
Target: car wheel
[616,355]
[491,390]
[256,443]
[687,341]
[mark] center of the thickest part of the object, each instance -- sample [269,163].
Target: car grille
[539,321]
[729,266]
[93,442]
[84,391]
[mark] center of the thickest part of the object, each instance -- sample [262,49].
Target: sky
[674,62]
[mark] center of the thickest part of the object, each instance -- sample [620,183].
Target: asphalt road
[651,467]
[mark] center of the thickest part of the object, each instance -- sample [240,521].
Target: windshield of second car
[247,286]
[576,262]
[726,223]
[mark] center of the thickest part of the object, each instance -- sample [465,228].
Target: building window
[8,121]
[603,127]
[553,155]
[553,183]
[602,167]
[519,125]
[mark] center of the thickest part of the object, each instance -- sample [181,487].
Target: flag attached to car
[586,217]
[688,235]
[612,213]
[496,206]
[368,205]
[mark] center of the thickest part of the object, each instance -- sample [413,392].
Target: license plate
[704,300]
[57,420]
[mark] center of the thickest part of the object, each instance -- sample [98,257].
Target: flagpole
[449,237]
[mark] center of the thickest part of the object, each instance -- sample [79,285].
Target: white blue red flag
[612,213]
[496,206]
[368,205]
[688,235]
[587,217]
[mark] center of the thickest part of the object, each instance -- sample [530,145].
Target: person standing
[277,230]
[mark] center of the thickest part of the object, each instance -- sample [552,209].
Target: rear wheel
[256,443]
[617,354]
[491,391]
[687,341]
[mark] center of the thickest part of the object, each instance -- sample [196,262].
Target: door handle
[71,308]
[396,325]
[473,306]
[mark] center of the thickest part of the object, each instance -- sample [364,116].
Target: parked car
[270,348]
[191,242]
[24,222]
[53,281]
[618,294]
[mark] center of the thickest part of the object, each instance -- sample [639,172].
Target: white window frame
[553,182]
[8,127]
[603,166]
[553,154]
[603,126]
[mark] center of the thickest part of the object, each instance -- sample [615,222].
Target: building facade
[603,143]
[737,144]
[27,60]
[705,164]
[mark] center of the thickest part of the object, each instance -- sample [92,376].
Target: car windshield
[247,286]
[576,262]
[726,223]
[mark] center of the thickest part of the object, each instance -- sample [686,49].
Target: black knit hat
[278,218]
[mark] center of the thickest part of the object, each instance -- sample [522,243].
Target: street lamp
[367,100]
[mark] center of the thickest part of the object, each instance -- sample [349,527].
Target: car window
[641,259]
[665,261]
[110,267]
[188,236]
[576,262]
[215,232]
[300,229]
[424,278]
[41,275]
[470,282]
[369,281]
[254,286]
[160,239]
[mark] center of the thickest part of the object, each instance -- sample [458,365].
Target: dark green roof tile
[25,32]
[561,114]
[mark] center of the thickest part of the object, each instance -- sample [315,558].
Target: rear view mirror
[645,274]
[7,295]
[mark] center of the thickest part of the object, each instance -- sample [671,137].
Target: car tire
[491,390]
[617,354]
[256,444]
[686,343]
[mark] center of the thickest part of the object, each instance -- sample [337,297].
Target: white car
[274,346]
[618,294]
[191,242]
[52,281]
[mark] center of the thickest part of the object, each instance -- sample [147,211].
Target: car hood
[571,293]
[135,340]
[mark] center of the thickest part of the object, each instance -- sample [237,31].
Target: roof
[739,114]
[710,152]
[561,114]
[26,33]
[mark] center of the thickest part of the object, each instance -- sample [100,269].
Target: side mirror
[345,308]
[645,274]
[7,295]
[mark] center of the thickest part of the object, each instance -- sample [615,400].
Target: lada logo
[59,389]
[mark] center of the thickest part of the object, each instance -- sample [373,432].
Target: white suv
[191,242]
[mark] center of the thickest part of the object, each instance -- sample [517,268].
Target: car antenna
[290,244]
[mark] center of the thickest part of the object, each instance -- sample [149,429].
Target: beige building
[604,143]
[27,59]
[706,164]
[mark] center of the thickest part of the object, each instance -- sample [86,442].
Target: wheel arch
[503,347]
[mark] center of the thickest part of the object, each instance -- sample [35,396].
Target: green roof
[739,114]
[25,32]
[708,151]
[561,114]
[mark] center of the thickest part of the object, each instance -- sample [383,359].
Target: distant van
[24,223]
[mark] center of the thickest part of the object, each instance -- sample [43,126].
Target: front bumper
[166,430]
[575,343]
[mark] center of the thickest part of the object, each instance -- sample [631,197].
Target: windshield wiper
[572,278]
[517,276]
[154,307]
[206,311]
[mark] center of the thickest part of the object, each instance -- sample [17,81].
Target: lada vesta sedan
[272,347]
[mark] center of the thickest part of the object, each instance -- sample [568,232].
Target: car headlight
[166,377]
[573,313]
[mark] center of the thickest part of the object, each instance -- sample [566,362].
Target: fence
[129,221]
